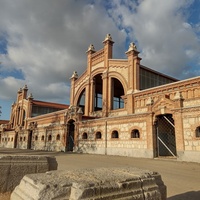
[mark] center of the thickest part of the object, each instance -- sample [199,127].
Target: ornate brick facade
[117,107]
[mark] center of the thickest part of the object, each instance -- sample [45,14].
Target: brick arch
[121,78]
[100,70]
[78,93]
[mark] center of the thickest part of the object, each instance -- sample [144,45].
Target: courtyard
[181,178]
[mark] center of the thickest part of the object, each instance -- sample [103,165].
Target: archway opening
[81,101]
[30,135]
[117,91]
[70,135]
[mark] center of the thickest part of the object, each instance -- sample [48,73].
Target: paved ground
[182,178]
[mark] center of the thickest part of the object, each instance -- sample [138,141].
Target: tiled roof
[49,104]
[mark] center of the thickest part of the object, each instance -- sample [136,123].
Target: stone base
[95,184]
[189,156]
[14,167]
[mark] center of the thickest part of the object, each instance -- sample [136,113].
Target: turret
[108,44]
[134,67]
[73,79]
[89,52]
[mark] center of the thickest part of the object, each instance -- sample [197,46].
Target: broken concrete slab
[14,167]
[95,184]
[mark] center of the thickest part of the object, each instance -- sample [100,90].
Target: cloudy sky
[43,41]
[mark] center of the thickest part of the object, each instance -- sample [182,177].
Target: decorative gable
[163,105]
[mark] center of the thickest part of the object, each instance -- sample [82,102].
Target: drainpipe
[105,137]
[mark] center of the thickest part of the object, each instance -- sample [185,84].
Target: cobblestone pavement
[181,178]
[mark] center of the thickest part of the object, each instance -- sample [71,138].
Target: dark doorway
[70,136]
[29,139]
[165,136]
[16,140]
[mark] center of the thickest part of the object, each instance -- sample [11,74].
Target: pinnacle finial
[132,47]
[20,90]
[30,96]
[91,48]
[74,75]
[108,37]
[25,87]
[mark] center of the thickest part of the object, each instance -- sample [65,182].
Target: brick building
[117,107]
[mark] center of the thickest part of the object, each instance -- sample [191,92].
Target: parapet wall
[14,168]
[96,184]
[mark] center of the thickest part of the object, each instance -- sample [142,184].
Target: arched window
[11,139]
[49,138]
[135,133]
[42,138]
[198,132]
[98,92]
[36,137]
[117,93]
[24,138]
[24,117]
[115,134]
[20,139]
[58,137]
[84,136]
[8,139]
[98,135]
[81,101]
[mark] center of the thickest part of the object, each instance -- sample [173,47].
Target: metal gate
[165,132]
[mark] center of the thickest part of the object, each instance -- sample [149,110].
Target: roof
[49,104]
[159,73]
[4,121]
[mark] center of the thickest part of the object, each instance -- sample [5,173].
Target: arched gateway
[165,142]
[70,135]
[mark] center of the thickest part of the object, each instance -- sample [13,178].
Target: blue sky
[43,42]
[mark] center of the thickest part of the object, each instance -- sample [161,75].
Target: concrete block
[14,167]
[95,184]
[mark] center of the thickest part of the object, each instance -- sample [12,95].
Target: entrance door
[165,136]
[16,140]
[30,139]
[70,136]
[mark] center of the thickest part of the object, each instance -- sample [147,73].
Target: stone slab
[92,184]
[14,167]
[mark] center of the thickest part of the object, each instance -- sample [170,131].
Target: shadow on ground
[193,195]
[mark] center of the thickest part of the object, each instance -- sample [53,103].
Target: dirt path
[182,179]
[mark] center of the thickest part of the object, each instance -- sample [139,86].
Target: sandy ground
[181,178]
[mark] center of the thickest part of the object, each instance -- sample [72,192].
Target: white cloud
[47,39]
[162,33]
[9,87]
